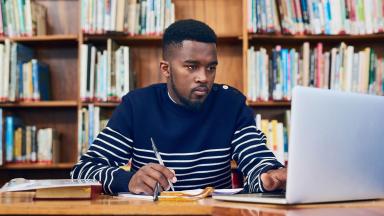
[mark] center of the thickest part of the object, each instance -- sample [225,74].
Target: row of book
[330,17]
[22,18]
[91,121]
[23,78]
[272,76]
[145,17]
[277,134]
[27,144]
[105,75]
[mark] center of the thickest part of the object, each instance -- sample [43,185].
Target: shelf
[102,104]
[40,104]
[269,103]
[47,39]
[315,38]
[120,38]
[31,166]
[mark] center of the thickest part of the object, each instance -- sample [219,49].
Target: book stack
[22,18]
[46,189]
[27,144]
[133,17]
[330,17]
[272,76]
[24,78]
[105,74]
[91,122]
[277,134]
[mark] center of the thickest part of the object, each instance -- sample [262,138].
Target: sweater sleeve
[250,152]
[110,150]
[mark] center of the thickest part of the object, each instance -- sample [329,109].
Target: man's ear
[164,68]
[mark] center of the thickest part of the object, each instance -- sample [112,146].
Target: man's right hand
[145,179]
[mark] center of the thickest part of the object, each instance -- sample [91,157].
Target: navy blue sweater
[198,145]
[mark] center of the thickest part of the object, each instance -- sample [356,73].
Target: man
[197,126]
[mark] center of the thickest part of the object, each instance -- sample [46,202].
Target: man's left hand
[274,179]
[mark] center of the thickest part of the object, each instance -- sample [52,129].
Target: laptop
[336,149]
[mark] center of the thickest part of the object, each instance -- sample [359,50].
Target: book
[55,188]
[184,195]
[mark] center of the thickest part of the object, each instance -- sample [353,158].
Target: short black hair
[188,29]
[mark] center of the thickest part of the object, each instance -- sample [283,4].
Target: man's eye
[191,67]
[212,68]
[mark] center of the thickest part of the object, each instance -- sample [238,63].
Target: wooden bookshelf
[284,104]
[316,38]
[52,104]
[37,166]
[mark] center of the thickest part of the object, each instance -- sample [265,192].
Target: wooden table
[21,203]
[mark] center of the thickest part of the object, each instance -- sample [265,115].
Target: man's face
[191,72]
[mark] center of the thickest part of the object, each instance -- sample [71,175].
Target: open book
[56,188]
[185,195]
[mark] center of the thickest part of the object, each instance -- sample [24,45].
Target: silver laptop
[336,149]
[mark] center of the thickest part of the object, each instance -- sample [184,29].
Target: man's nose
[202,76]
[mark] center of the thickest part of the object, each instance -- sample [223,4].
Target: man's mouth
[200,91]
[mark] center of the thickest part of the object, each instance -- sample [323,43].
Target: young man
[197,126]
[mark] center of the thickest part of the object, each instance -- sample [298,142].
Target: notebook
[336,149]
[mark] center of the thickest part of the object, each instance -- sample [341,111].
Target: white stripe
[257,165]
[199,165]
[249,147]
[184,154]
[105,182]
[109,185]
[187,167]
[183,161]
[252,126]
[110,145]
[101,156]
[204,171]
[246,134]
[199,185]
[113,154]
[204,178]
[117,140]
[144,157]
[98,170]
[250,140]
[82,167]
[120,134]
[89,170]
[255,153]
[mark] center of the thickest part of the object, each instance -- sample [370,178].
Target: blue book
[41,80]
[9,142]
[23,55]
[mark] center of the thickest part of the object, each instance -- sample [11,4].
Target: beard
[186,102]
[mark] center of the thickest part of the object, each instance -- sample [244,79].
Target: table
[22,203]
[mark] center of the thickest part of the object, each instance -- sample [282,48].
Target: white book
[28,18]
[96,121]
[7,68]
[91,77]
[113,15]
[280,142]
[83,70]
[21,184]
[1,71]
[126,71]
[348,68]
[80,123]
[368,16]
[100,16]
[118,67]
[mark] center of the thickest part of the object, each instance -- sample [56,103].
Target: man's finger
[164,170]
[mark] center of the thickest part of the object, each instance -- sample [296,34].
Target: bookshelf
[60,49]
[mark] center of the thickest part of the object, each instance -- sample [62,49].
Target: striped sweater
[198,145]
